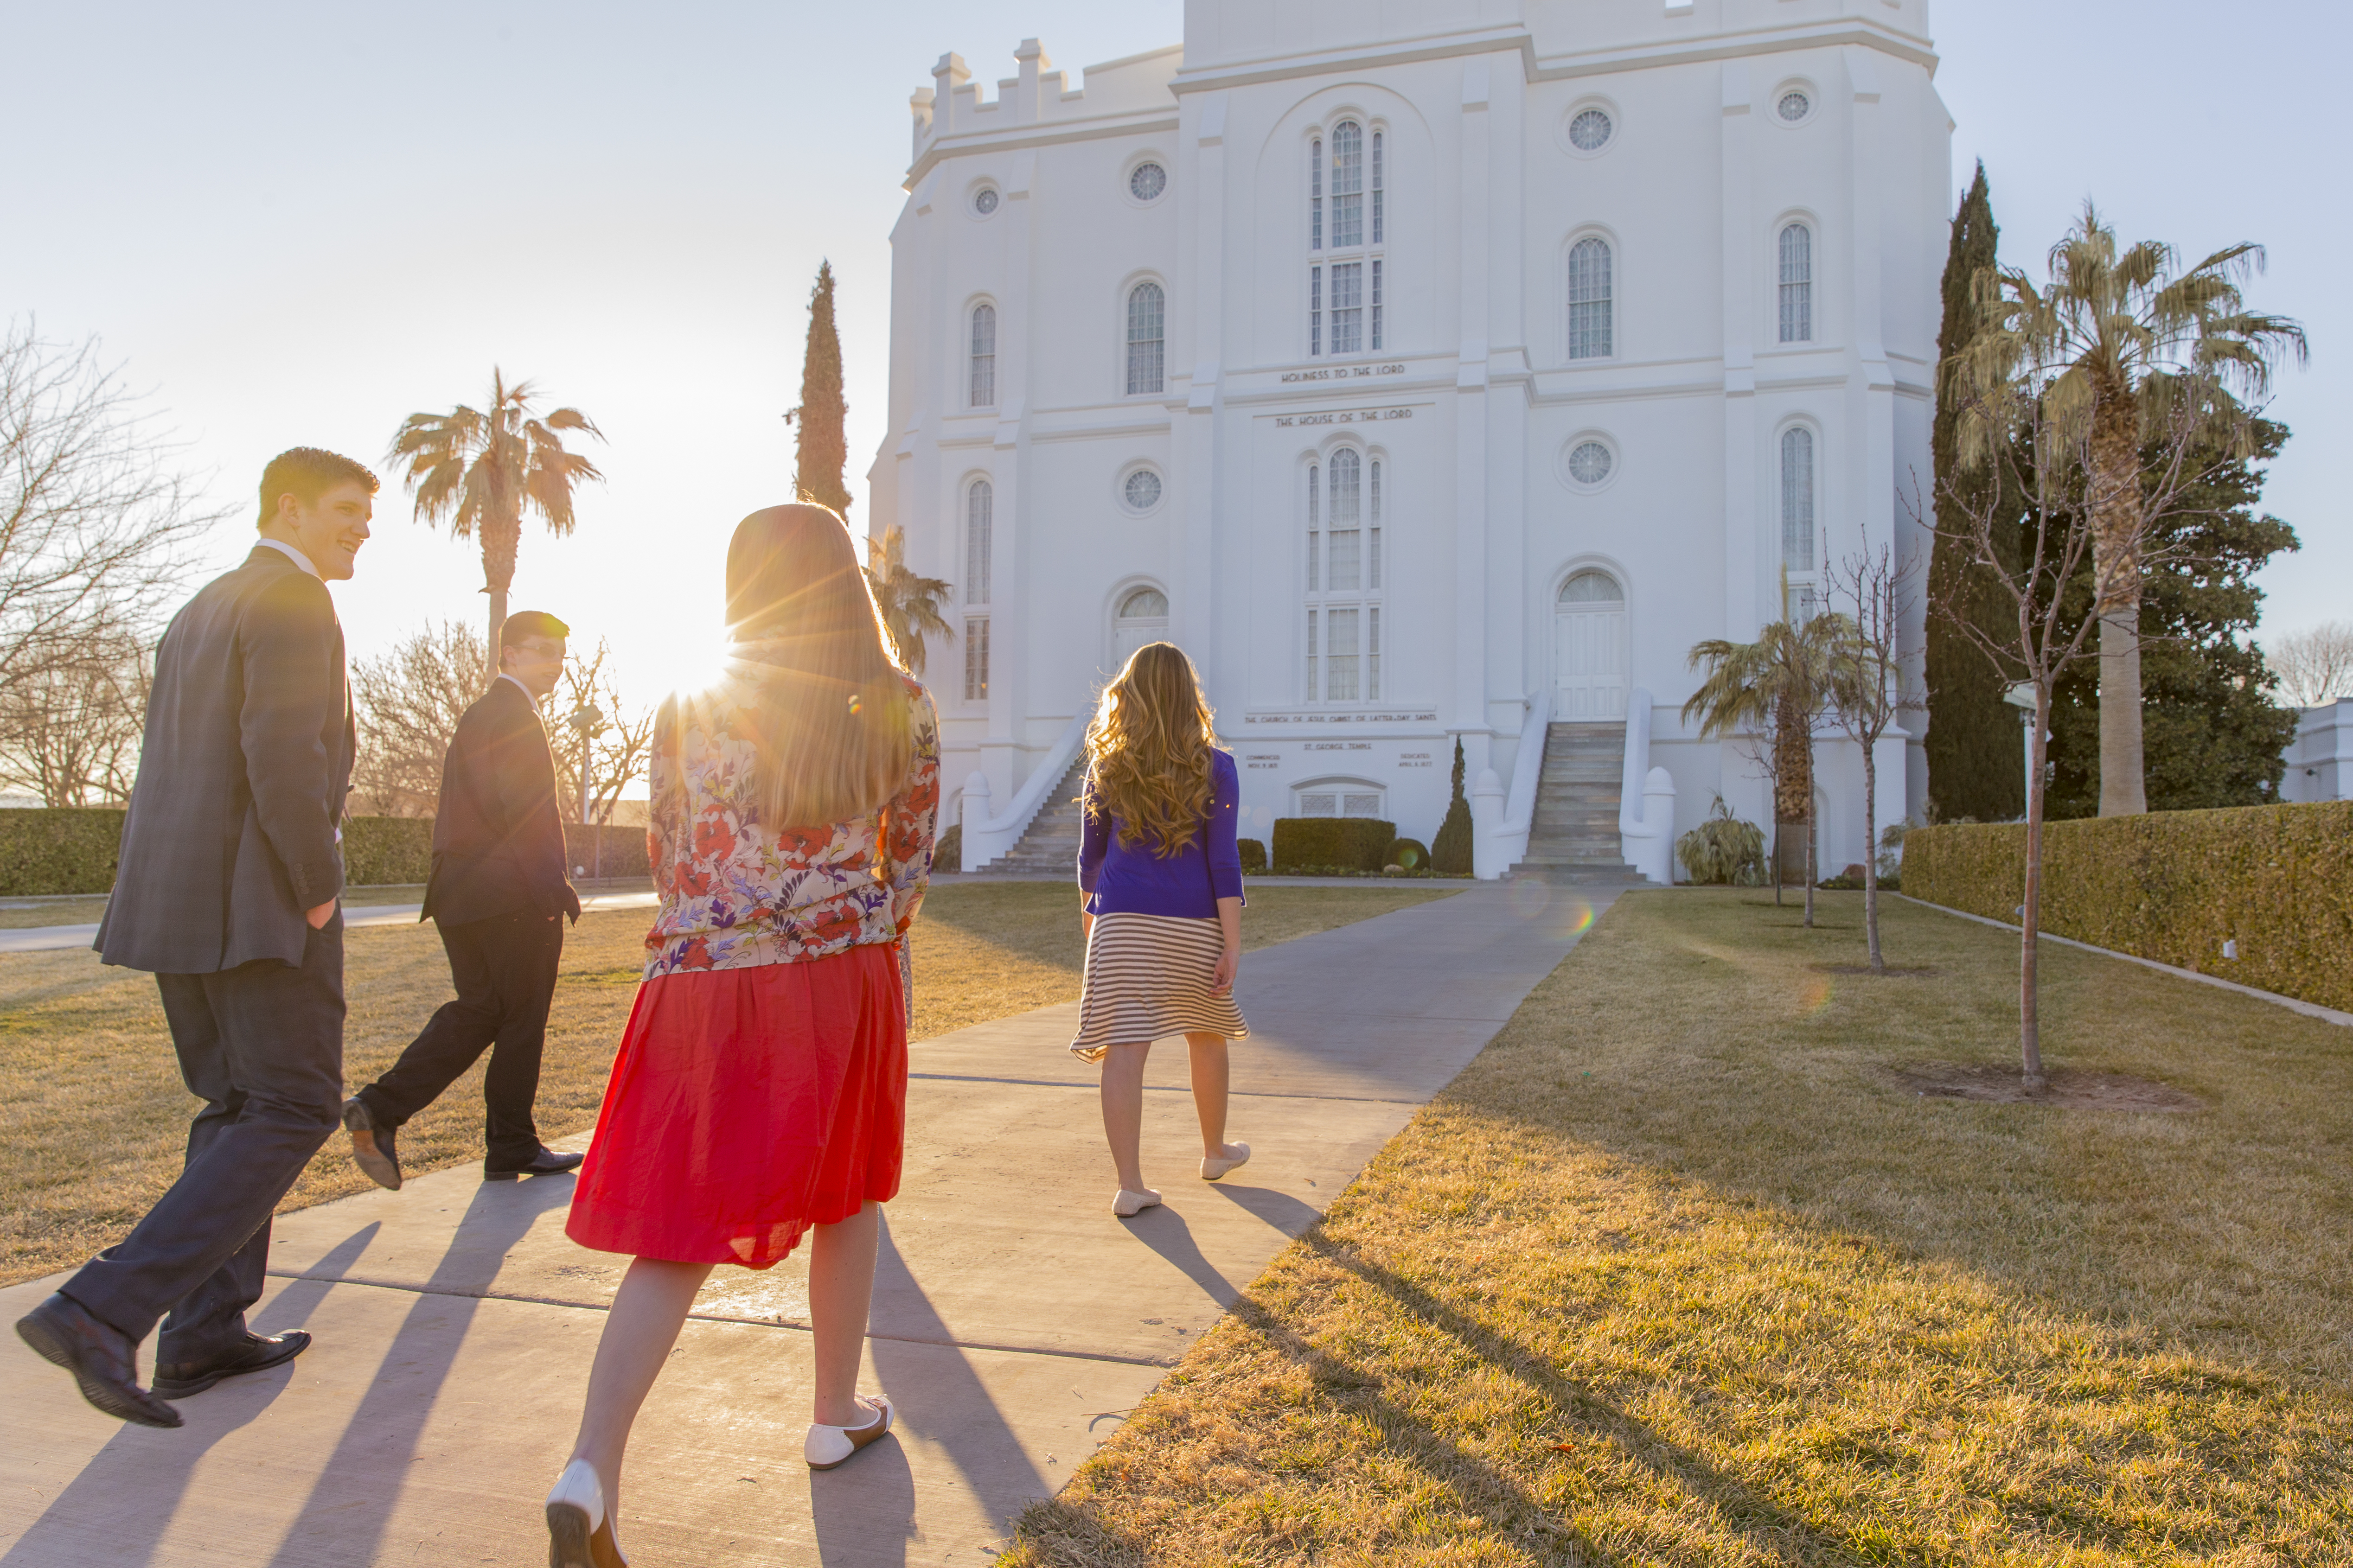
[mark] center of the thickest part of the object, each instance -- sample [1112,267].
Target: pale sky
[295,223]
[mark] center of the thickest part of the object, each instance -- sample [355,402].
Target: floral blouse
[736,892]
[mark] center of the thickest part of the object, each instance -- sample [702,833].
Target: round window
[1590,463]
[1147,181]
[984,201]
[1142,490]
[1794,106]
[1590,131]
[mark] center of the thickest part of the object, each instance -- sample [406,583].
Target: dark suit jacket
[498,843]
[242,774]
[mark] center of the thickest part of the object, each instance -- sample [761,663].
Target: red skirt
[747,1105]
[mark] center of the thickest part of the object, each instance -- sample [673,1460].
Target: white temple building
[1427,370]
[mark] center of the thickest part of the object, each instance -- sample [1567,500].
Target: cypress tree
[823,444]
[1974,742]
[1449,852]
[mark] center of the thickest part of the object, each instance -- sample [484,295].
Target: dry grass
[92,1112]
[1675,1274]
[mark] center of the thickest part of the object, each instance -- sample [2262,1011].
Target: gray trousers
[262,1046]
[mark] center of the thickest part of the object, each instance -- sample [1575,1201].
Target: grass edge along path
[1672,1274]
[93,1116]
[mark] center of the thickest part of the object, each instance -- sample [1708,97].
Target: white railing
[1505,843]
[986,837]
[1646,800]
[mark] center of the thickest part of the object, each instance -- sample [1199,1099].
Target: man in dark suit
[500,895]
[230,872]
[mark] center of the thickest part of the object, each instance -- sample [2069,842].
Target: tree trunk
[2116,509]
[1871,856]
[1813,857]
[498,598]
[2030,914]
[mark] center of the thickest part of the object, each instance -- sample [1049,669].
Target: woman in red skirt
[760,1092]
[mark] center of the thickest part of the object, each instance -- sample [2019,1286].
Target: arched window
[1147,314]
[1347,294]
[1144,605]
[979,523]
[1797,521]
[1796,284]
[1591,326]
[984,356]
[1343,579]
[1589,587]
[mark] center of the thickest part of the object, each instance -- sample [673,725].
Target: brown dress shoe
[102,1358]
[371,1145]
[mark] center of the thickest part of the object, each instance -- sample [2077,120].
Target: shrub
[1253,854]
[1351,843]
[61,849]
[2275,881]
[1408,855]
[624,851]
[948,854]
[1723,851]
[1449,852]
[380,849]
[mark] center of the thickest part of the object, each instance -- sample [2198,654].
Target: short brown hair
[308,472]
[530,623]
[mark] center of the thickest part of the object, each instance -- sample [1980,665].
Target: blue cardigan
[1130,880]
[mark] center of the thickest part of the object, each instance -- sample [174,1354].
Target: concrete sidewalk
[54,939]
[1016,1322]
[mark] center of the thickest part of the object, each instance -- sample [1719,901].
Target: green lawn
[1680,1272]
[93,1115]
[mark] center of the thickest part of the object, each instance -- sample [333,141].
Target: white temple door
[1143,619]
[1589,650]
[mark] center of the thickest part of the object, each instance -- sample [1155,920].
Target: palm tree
[2138,353]
[1782,681]
[483,470]
[910,604]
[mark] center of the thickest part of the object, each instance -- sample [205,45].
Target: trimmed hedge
[2172,886]
[1253,854]
[947,851]
[59,849]
[1351,843]
[72,849]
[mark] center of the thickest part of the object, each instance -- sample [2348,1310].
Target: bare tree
[599,735]
[95,517]
[1868,694]
[409,701]
[71,733]
[2002,384]
[2314,665]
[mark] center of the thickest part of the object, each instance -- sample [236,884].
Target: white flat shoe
[1212,1168]
[579,1535]
[1127,1204]
[829,1445]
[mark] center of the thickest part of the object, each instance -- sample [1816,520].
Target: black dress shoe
[372,1148]
[102,1358]
[179,1379]
[546,1163]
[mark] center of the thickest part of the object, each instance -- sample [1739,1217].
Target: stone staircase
[1050,846]
[1574,837]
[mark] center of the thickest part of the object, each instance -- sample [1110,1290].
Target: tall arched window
[1796,284]
[1147,314]
[1343,579]
[1798,546]
[979,525]
[1346,293]
[1591,329]
[983,384]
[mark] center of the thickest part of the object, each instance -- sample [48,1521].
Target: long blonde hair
[829,712]
[1149,748]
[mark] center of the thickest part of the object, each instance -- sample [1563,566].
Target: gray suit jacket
[242,774]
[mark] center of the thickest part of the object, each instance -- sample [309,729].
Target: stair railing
[986,837]
[1646,800]
[1501,849]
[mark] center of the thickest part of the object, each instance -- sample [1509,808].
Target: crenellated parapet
[1038,97]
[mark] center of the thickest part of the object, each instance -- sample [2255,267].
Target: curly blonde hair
[1149,748]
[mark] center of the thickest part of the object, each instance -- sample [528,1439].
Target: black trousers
[504,969]
[262,1046]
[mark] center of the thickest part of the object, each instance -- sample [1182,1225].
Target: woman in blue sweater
[1160,895]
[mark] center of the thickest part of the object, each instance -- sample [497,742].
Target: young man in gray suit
[231,873]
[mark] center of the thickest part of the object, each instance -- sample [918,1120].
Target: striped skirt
[1148,978]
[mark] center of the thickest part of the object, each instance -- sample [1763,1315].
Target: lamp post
[2021,697]
[589,720]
